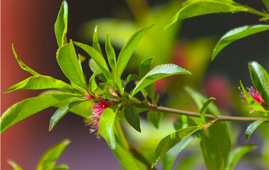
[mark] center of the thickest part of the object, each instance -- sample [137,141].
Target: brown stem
[194,114]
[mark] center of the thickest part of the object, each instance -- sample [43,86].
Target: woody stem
[194,114]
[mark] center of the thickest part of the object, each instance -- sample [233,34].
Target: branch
[194,114]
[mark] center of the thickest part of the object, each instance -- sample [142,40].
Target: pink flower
[89,97]
[97,112]
[255,94]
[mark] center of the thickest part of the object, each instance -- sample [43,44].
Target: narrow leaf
[236,34]
[170,156]
[251,101]
[171,140]
[59,113]
[237,154]
[266,3]
[111,56]
[253,126]
[216,145]
[157,73]
[95,42]
[215,141]
[125,157]
[204,108]
[260,80]
[132,117]
[106,126]
[94,88]
[194,8]
[39,82]
[22,65]
[28,107]
[69,63]
[61,167]
[154,118]
[96,56]
[14,165]
[128,49]
[130,78]
[48,160]
[145,66]
[60,27]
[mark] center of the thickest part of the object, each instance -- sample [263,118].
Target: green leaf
[61,167]
[216,145]
[253,126]
[14,165]
[125,157]
[107,126]
[39,82]
[95,42]
[129,47]
[194,8]
[237,154]
[130,78]
[157,73]
[59,113]
[215,140]
[251,101]
[132,117]
[22,65]
[236,34]
[204,108]
[145,66]
[171,140]
[260,80]
[94,88]
[28,107]
[170,156]
[111,56]
[69,63]
[50,157]
[60,27]
[266,3]
[154,118]
[96,56]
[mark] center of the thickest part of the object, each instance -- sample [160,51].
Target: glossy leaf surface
[237,154]
[170,156]
[59,113]
[157,73]
[110,52]
[69,63]
[96,56]
[107,126]
[171,140]
[215,140]
[39,82]
[28,107]
[260,80]
[50,157]
[22,64]
[236,34]
[128,49]
[193,8]
[204,108]
[132,117]
[253,126]
[60,27]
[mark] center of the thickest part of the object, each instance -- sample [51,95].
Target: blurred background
[29,25]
